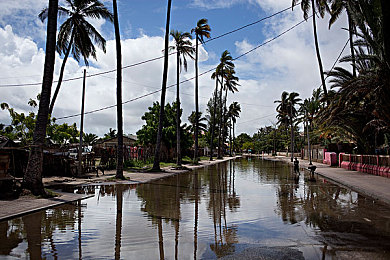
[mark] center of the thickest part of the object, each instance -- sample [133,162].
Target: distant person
[296,165]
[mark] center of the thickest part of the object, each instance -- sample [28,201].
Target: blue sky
[288,63]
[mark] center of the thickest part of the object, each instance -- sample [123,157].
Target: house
[113,142]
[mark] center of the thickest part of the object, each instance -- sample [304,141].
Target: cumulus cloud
[288,63]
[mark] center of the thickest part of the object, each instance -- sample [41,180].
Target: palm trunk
[386,29]
[224,119]
[318,53]
[220,120]
[196,103]
[230,137]
[33,174]
[233,139]
[178,162]
[54,98]
[351,29]
[156,162]
[119,164]
[213,118]
[292,133]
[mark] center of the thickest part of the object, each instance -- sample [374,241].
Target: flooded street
[233,210]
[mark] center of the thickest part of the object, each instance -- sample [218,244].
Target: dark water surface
[235,210]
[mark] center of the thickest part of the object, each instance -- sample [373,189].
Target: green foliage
[147,134]
[22,127]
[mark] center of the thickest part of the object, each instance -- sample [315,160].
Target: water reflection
[206,214]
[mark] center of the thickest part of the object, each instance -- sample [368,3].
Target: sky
[287,63]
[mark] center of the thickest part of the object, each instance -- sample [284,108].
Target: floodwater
[243,209]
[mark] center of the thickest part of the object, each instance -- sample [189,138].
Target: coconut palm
[77,35]
[226,64]
[316,6]
[90,139]
[292,114]
[215,76]
[337,7]
[202,30]
[183,48]
[119,154]
[234,112]
[231,84]
[33,176]
[156,162]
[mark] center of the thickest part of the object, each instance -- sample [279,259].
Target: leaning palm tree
[156,161]
[77,35]
[321,6]
[33,176]
[183,47]
[119,154]
[201,30]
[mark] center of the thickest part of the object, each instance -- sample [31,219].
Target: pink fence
[372,164]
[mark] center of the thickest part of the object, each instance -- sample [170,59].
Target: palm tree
[213,119]
[119,154]
[77,35]
[183,46]
[202,127]
[156,162]
[234,112]
[33,176]
[90,139]
[292,113]
[337,8]
[226,64]
[283,113]
[231,84]
[321,6]
[201,30]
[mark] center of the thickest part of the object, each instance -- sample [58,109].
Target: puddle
[234,210]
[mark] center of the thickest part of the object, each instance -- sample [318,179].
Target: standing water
[243,209]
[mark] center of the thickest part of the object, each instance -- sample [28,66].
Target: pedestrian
[296,165]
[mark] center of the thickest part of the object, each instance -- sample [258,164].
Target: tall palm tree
[283,113]
[215,76]
[292,113]
[321,6]
[183,47]
[231,84]
[119,154]
[33,176]
[337,7]
[202,30]
[234,112]
[77,35]
[226,64]
[156,162]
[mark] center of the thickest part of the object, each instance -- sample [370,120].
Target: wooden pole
[82,126]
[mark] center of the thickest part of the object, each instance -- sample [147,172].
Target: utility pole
[308,138]
[82,126]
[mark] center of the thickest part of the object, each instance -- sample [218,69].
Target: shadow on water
[239,209]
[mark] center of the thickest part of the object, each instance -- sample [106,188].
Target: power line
[152,59]
[189,79]
[255,119]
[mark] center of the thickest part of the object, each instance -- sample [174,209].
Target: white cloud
[288,63]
